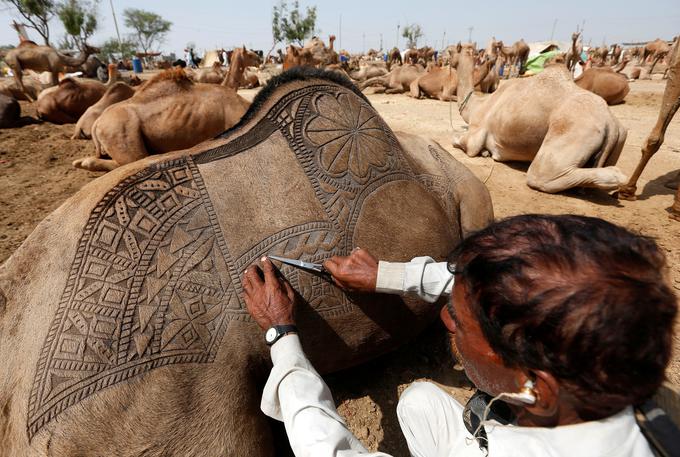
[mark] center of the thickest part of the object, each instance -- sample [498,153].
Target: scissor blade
[297,263]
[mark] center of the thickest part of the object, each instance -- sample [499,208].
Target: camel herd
[560,124]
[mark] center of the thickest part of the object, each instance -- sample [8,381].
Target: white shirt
[298,396]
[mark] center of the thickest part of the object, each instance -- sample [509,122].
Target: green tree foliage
[37,13]
[112,50]
[291,25]
[149,28]
[80,21]
[412,33]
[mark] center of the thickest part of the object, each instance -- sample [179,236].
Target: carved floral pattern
[349,136]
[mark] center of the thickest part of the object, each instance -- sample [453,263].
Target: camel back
[152,278]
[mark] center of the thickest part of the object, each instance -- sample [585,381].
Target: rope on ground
[493,164]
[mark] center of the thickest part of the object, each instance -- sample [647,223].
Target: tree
[150,29]
[112,50]
[292,26]
[38,14]
[412,33]
[80,21]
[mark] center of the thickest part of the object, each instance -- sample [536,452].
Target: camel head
[89,50]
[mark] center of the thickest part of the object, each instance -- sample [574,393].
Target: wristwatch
[276,332]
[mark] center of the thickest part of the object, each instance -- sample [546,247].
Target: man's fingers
[269,272]
[253,277]
[332,265]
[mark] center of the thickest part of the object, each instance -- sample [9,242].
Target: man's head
[576,304]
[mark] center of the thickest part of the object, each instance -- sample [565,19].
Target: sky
[360,25]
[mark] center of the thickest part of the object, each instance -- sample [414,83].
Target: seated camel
[568,134]
[31,88]
[28,55]
[122,326]
[168,113]
[10,111]
[115,93]
[213,75]
[368,70]
[437,82]
[66,102]
[396,81]
[605,82]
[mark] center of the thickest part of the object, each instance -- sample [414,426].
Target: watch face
[270,336]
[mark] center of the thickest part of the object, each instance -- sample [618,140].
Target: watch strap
[281,331]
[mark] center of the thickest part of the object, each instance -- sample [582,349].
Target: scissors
[314,268]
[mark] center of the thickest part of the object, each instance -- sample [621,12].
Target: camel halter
[465,101]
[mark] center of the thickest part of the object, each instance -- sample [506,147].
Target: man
[566,319]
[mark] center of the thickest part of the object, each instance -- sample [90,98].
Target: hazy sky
[213,23]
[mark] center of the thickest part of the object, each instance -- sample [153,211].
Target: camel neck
[236,69]
[466,86]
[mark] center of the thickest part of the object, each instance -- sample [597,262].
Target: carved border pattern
[151,284]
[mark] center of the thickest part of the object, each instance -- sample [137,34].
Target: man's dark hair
[578,297]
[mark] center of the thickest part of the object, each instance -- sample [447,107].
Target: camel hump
[177,76]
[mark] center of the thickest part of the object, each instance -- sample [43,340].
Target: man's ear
[547,392]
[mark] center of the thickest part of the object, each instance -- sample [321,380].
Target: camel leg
[472,142]
[669,106]
[18,77]
[55,78]
[95,164]
[557,165]
[395,90]
[415,88]
[675,209]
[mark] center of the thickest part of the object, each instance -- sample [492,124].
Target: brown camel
[42,58]
[321,55]
[239,61]
[298,57]
[573,56]
[117,92]
[394,57]
[669,106]
[396,81]
[605,82]
[437,82]
[168,113]
[67,102]
[616,54]
[567,133]
[656,50]
[122,327]
[10,111]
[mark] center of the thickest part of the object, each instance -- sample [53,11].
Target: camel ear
[459,47]
[244,48]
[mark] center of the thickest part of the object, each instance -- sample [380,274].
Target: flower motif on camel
[349,136]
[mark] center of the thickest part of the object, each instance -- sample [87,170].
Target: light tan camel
[67,102]
[31,88]
[515,55]
[42,58]
[567,133]
[322,55]
[605,82]
[117,92]
[168,113]
[669,106]
[212,75]
[369,70]
[396,81]
[298,57]
[437,82]
[240,60]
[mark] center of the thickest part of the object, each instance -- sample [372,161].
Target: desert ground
[36,177]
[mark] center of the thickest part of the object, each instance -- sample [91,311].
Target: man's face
[482,365]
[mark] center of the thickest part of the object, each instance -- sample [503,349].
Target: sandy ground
[36,176]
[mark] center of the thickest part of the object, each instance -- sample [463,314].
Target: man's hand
[357,272]
[269,301]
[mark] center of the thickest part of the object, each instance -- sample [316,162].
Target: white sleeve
[296,395]
[422,276]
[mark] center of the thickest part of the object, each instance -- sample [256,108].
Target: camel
[516,55]
[396,81]
[321,55]
[616,54]
[669,106]
[212,75]
[67,102]
[419,56]
[568,134]
[368,70]
[393,57]
[605,82]
[437,82]
[168,113]
[239,60]
[657,50]
[122,327]
[10,111]
[298,57]
[31,88]
[42,58]
[573,55]
[117,92]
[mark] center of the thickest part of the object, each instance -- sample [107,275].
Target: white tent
[538,47]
